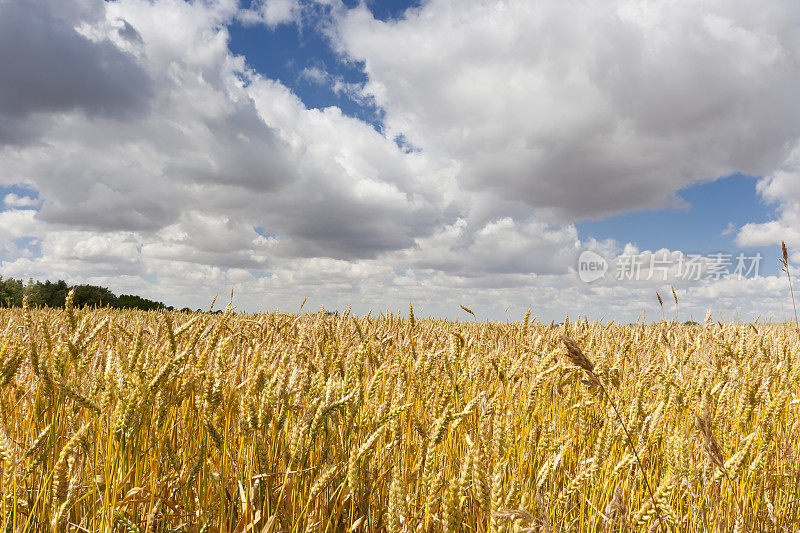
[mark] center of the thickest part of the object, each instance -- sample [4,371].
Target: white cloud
[316,75]
[18,223]
[218,141]
[783,189]
[586,109]
[271,12]
[16,201]
[47,67]
[730,229]
[337,84]
[502,246]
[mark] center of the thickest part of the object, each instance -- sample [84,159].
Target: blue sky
[282,53]
[19,190]
[371,155]
[699,225]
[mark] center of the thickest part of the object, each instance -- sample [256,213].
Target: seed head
[576,356]
[712,447]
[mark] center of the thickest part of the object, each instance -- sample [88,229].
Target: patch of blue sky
[706,224]
[405,145]
[32,246]
[28,247]
[30,243]
[295,56]
[20,190]
[151,278]
[387,10]
[264,233]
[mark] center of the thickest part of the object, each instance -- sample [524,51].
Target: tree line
[53,294]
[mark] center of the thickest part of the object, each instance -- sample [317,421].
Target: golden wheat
[166,421]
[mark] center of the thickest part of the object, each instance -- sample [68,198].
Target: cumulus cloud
[336,83]
[586,109]
[502,246]
[15,201]
[781,188]
[218,140]
[18,223]
[47,66]
[271,12]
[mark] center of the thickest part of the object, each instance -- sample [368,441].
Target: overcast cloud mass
[140,153]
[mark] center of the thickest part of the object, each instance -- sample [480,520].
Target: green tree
[53,294]
[131,301]
[33,291]
[93,295]
[11,291]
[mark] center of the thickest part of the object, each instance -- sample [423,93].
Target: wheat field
[163,421]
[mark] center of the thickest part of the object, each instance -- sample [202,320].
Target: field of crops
[161,421]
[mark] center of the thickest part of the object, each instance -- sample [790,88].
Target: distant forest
[53,294]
